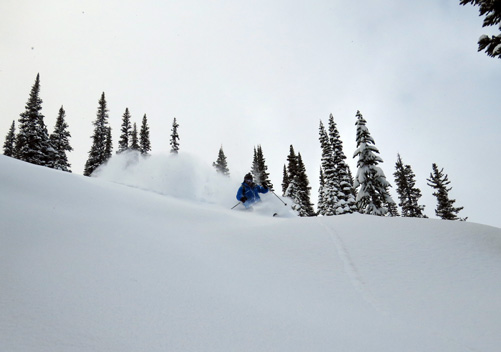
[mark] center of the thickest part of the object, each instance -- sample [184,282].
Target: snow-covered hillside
[91,265]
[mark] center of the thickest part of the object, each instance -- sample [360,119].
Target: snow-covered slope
[91,265]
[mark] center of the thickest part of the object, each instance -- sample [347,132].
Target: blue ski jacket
[251,192]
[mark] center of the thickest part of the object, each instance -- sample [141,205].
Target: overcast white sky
[242,73]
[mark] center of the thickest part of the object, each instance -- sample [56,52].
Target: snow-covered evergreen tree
[259,169]
[292,171]
[321,193]
[331,185]
[32,141]
[9,146]
[346,201]
[285,180]
[298,189]
[221,165]
[108,145]
[134,140]
[439,182]
[408,193]
[123,143]
[392,207]
[59,140]
[101,143]
[373,195]
[351,180]
[305,207]
[491,9]
[144,137]
[174,137]
[255,170]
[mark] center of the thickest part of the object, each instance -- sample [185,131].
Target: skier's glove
[243,199]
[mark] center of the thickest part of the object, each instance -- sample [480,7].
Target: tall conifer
[221,165]
[285,180]
[305,207]
[439,182]
[108,150]
[321,193]
[123,143]
[101,141]
[331,185]
[144,136]
[298,188]
[373,195]
[259,169]
[292,171]
[346,201]
[9,146]
[408,193]
[391,206]
[59,140]
[174,137]
[32,141]
[134,140]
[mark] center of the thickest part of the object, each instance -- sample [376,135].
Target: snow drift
[91,265]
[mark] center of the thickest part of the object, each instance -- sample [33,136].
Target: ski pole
[236,205]
[278,197]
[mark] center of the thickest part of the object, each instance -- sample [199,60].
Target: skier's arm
[262,189]
[239,193]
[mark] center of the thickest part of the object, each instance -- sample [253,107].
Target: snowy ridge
[87,264]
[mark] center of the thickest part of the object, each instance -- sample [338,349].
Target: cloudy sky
[243,73]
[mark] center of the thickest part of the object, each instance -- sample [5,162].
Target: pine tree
[285,180]
[59,140]
[321,193]
[221,165]
[32,142]
[123,143]
[259,169]
[9,146]
[108,145]
[298,188]
[331,185]
[101,143]
[305,208]
[491,9]
[439,182]
[392,207]
[292,171]
[144,137]
[408,193]
[134,143]
[346,201]
[255,172]
[174,137]
[352,181]
[373,194]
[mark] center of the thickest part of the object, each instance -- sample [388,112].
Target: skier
[248,193]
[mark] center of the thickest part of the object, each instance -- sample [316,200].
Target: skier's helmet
[248,178]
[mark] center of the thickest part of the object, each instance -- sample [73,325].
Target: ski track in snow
[358,283]
[351,270]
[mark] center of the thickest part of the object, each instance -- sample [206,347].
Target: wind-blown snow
[92,265]
[179,175]
[184,176]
